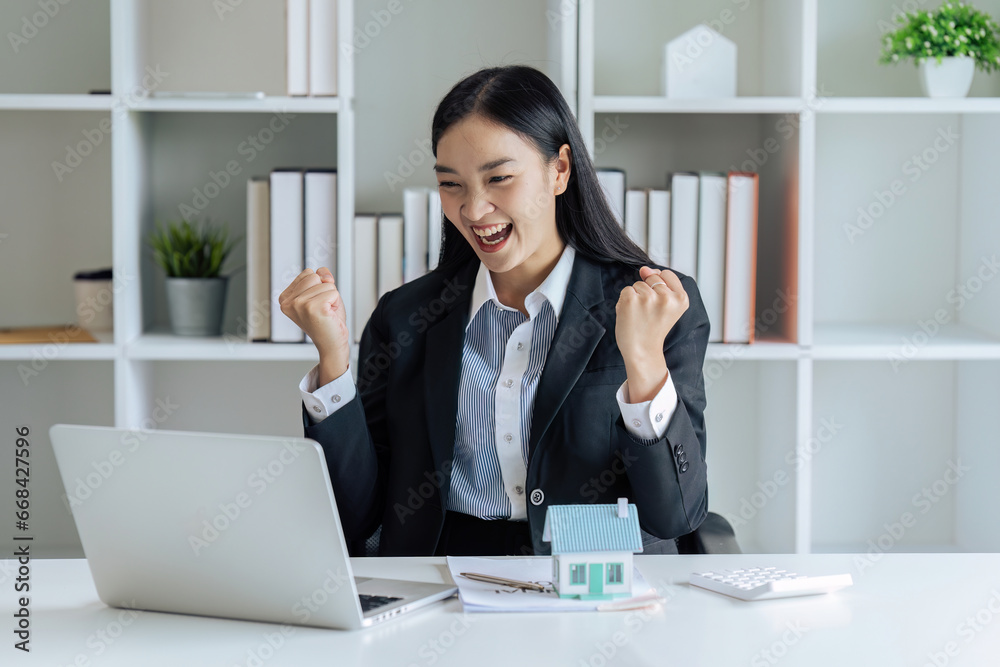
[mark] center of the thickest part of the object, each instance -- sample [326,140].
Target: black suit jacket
[389,451]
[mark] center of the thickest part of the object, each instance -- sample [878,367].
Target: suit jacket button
[679,450]
[537,497]
[684,467]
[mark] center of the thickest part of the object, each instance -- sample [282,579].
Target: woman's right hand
[313,302]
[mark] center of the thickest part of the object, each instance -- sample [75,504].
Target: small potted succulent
[947,44]
[192,256]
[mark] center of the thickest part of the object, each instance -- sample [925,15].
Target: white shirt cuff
[648,420]
[321,402]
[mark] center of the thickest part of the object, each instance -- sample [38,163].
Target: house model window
[592,547]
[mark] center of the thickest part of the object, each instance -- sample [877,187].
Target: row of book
[291,224]
[311,62]
[393,248]
[703,225]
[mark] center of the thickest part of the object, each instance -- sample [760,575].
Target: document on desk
[481,596]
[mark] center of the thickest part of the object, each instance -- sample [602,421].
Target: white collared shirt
[502,359]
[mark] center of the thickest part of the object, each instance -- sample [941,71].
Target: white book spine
[613,183]
[321,220]
[435,220]
[365,271]
[416,203]
[636,219]
[684,223]
[258,259]
[297,51]
[287,243]
[658,230]
[741,259]
[712,249]
[390,253]
[323,47]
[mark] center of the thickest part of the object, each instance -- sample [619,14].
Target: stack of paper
[480,596]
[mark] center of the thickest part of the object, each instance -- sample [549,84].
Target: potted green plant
[947,44]
[192,256]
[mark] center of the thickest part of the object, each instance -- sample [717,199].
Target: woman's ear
[563,166]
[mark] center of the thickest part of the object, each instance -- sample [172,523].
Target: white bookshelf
[159,149]
[854,353]
[808,65]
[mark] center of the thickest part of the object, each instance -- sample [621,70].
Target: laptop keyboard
[369,602]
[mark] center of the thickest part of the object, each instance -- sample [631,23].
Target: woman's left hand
[646,312]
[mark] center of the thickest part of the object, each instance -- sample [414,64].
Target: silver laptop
[236,526]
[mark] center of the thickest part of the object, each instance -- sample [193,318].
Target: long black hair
[527,102]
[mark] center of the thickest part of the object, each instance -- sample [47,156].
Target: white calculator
[766,583]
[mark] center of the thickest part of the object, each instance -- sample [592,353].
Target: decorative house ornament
[592,547]
[699,63]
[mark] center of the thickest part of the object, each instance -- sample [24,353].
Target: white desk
[902,610]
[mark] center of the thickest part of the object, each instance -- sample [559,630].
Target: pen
[527,585]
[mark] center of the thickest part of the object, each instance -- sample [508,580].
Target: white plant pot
[951,78]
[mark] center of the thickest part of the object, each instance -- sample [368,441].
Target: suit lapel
[574,341]
[443,371]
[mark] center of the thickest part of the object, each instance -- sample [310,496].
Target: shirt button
[518,490]
[336,398]
[508,383]
[508,437]
[659,417]
[636,423]
[537,497]
[316,408]
[520,346]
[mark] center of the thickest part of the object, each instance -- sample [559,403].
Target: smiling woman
[560,356]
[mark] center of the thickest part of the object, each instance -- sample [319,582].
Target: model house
[592,547]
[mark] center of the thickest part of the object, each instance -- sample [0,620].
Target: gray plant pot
[196,305]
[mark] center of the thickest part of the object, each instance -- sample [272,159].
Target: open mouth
[494,235]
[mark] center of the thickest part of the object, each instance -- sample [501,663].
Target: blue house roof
[582,528]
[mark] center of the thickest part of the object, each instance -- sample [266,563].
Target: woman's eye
[447,184]
[499,179]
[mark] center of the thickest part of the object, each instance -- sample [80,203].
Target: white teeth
[490,230]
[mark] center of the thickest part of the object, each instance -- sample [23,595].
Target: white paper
[480,596]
